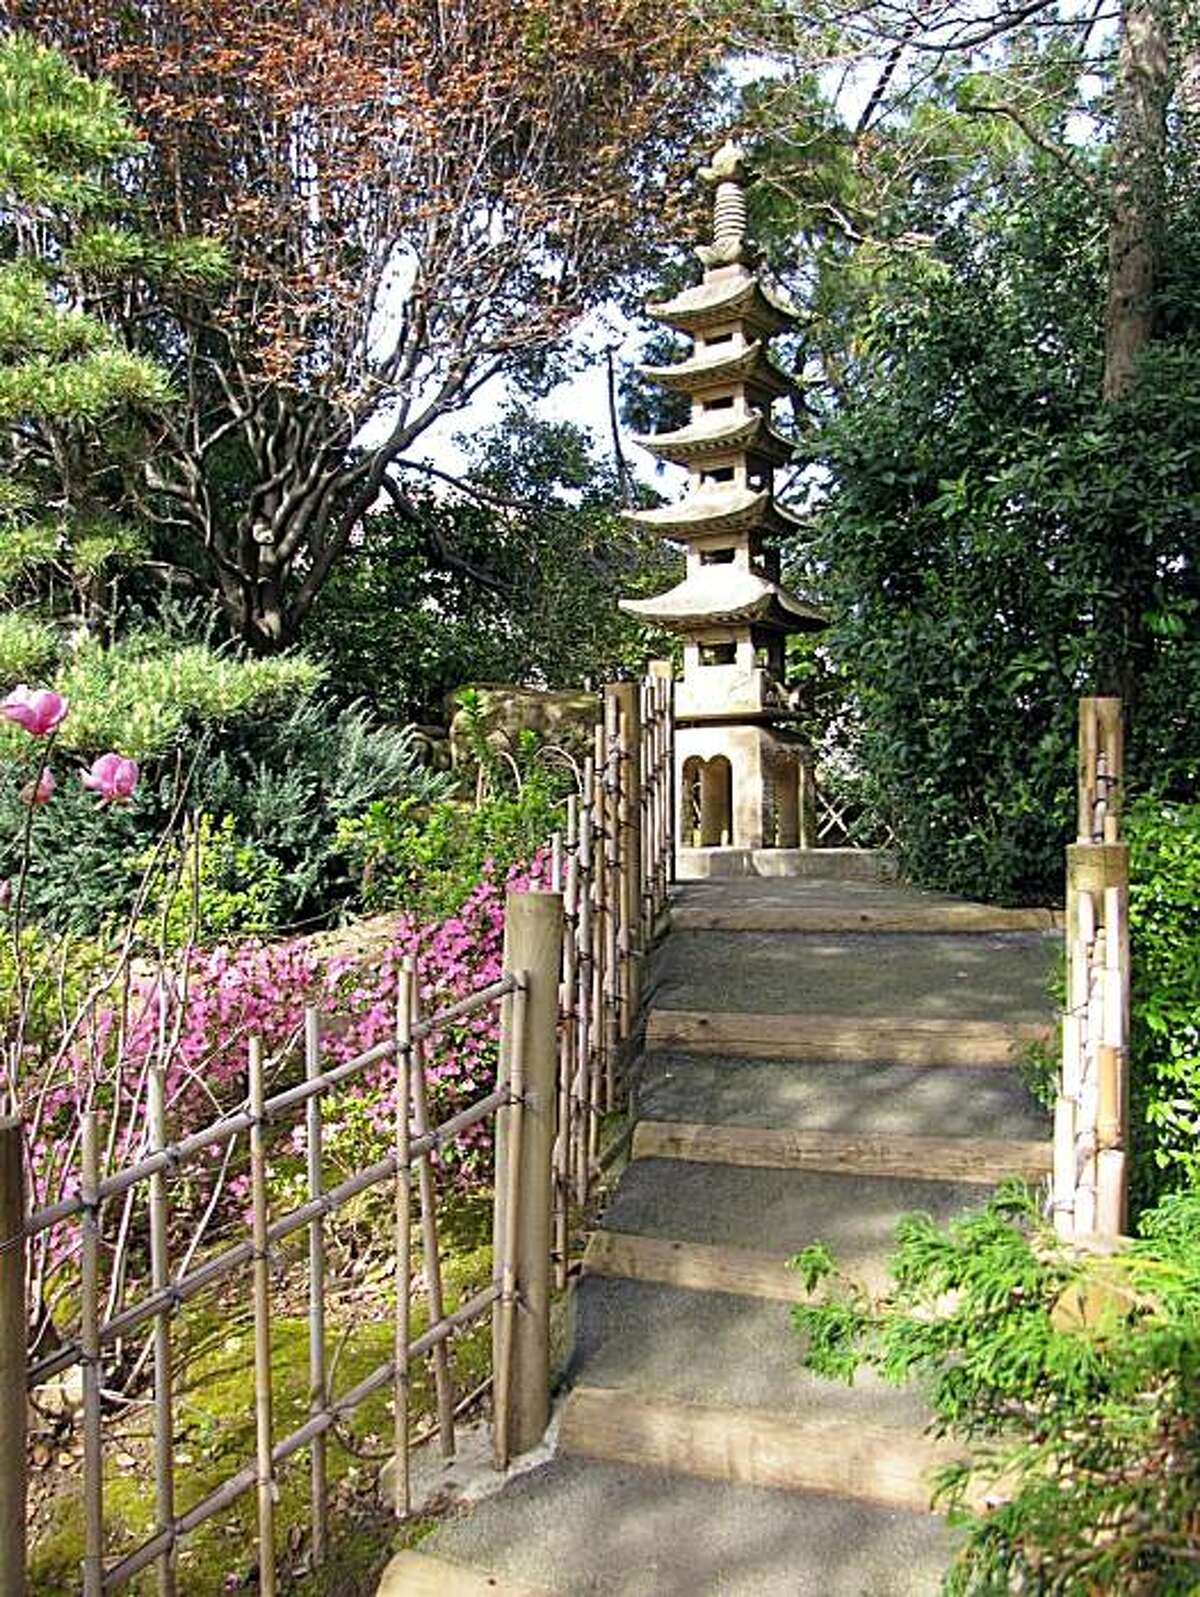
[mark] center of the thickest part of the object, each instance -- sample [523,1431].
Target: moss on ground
[215,1437]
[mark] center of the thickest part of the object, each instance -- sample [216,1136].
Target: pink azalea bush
[199,1018]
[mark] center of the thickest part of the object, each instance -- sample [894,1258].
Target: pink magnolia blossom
[5,892]
[113,777]
[38,710]
[41,791]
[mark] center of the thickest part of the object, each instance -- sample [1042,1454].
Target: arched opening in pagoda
[707,802]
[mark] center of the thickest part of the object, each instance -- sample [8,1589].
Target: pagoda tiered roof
[718,435]
[717,301]
[714,509]
[715,368]
[727,595]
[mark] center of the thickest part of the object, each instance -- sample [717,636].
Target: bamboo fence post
[627,696]
[565,1142]
[164,1428]
[262,1327]
[612,894]
[13,1353]
[662,674]
[318,1393]
[600,883]
[1091,1113]
[431,1256]
[401,1483]
[508,1191]
[533,932]
[89,1344]
[584,980]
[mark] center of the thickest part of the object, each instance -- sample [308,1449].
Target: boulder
[559,716]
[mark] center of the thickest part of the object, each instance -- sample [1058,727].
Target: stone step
[753,1447]
[979,1160]
[858,1097]
[718,1349]
[701,1266]
[581,1528]
[778,1211]
[949,916]
[859,976]
[831,1038]
[415,1574]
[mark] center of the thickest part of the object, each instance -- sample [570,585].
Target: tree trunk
[1142,92]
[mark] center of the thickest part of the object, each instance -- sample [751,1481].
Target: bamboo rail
[569,1001]
[1091,1114]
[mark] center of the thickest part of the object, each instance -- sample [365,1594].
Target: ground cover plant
[1073,1381]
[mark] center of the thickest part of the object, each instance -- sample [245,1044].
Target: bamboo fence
[568,1003]
[1091,1116]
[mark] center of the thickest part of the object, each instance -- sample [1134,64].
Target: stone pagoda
[738,762]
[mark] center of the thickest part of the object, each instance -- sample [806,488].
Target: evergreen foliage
[1074,1380]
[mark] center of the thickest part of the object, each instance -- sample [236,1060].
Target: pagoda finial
[728,173]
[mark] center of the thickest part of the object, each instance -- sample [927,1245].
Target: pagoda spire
[738,755]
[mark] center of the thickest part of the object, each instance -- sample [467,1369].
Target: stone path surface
[822,1057]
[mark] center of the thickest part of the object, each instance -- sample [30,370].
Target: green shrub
[1165,997]
[213,886]
[427,858]
[1074,1380]
[28,647]
[280,783]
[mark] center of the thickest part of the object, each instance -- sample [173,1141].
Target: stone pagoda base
[839,864]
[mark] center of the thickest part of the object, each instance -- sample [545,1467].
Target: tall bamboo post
[1091,1113]
[13,1353]
[533,930]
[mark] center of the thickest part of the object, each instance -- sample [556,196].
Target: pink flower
[41,791]
[38,710]
[5,893]
[113,777]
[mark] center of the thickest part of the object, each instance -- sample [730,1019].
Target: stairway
[821,1058]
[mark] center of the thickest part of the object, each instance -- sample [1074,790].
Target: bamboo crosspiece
[1091,1111]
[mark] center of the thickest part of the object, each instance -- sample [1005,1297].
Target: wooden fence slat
[263,1398]
[164,1426]
[318,1393]
[402,1485]
[89,1343]
[431,1254]
[13,1354]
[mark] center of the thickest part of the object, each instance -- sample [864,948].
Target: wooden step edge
[752,1447]
[949,919]
[414,1574]
[822,1039]
[694,1266]
[983,1160]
